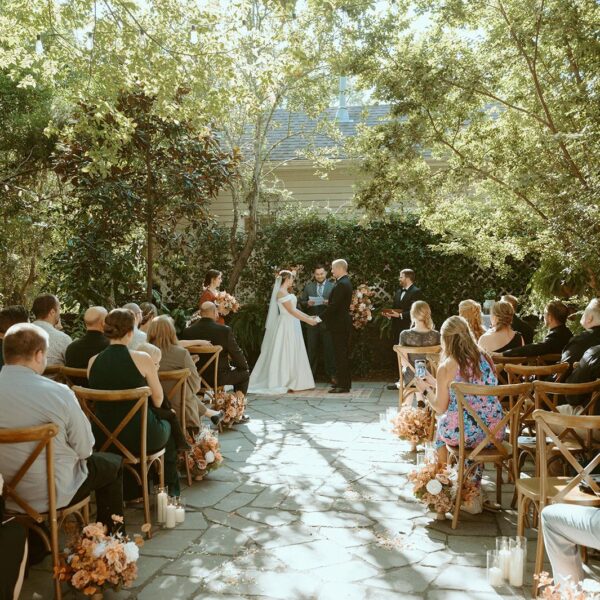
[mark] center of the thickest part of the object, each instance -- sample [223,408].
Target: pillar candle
[180,514]
[495,576]
[504,557]
[161,507]
[517,565]
[170,519]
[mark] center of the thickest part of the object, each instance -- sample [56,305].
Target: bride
[283,363]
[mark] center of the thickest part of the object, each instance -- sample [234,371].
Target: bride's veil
[272,315]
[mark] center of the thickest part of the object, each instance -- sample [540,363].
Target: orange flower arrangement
[205,454]
[434,486]
[412,424]
[233,405]
[96,560]
[226,303]
[361,306]
[567,590]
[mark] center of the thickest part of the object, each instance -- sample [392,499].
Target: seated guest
[462,360]
[212,282]
[139,337]
[10,315]
[587,370]
[555,317]
[46,310]
[149,312]
[233,368]
[578,344]
[162,334]
[501,336]
[519,324]
[118,368]
[567,528]
[26,400]
[470,311]
[80,351]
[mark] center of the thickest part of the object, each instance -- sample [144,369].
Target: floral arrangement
[361,306]
[96,560]
[434,485]
[412,424]
[233,405]
[205,454]
[568,590]
[226,303]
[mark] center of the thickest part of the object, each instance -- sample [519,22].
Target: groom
[339,323]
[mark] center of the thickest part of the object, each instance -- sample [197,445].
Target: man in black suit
[555,317]
[579,344]
[339,322]
[79,352]
[518,324]
[403,300]
[233,368]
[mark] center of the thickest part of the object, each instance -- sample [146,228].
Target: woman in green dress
[118,368]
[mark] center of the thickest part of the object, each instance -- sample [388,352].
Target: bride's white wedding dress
[283,362]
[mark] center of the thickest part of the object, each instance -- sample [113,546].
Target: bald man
[93,342]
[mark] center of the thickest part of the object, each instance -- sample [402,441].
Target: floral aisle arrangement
[96,560]
[413,424]
[205,454]
[567,590]
[361,307]
[233,405]
[435,486]
[226,303]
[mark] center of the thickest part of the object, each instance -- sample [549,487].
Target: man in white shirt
[46,309]
[139,336]
[28,399]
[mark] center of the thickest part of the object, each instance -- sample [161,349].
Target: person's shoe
[216,419]
[242,420]
[393,386]
[338,390]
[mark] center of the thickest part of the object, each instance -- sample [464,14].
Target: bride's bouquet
[226,303]
[233,405]
[361,306]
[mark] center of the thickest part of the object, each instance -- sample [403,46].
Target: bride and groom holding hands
[283,363]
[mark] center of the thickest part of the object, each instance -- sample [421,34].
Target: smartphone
[420,369]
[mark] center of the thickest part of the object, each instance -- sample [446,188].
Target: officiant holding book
[313,301]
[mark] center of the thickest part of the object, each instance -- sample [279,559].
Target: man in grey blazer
[318,337]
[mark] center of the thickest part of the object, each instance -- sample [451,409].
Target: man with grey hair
[578,344]
[339,321]
[139,336]
[80,351]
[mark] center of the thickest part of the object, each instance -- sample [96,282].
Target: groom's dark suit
[339,322]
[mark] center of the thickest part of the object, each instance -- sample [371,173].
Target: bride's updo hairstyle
[458,343]
[285,275]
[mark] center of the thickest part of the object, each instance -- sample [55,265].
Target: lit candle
[180,514]
[161,506]
[517,565]
[504,557]
[495,576]
[170,519]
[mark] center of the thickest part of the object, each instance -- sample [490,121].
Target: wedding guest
[10,315]
[403,300]
[579,344]
[233,368]
[519,324]
[501,336]
[139,337]
[149,312]
[555,317]
[212,283]
[462,360]
[80,351]
[566,528]
[119,368]
[318,337]
[26,400]
[174,357]
[587,370]
[46,310]
[471,312]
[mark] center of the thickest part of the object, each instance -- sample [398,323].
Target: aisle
[312,503]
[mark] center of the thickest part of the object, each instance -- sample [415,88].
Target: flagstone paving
[312,502]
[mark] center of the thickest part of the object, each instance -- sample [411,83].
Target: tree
[505,95]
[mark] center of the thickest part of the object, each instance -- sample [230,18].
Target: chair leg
[520,514]
[459,486]
[584,554]
[499,484]
[55,555]
[539,559]
[147,518]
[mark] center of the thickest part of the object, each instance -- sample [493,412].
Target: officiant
[313,301]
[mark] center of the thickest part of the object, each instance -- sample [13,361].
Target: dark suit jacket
[310,289]
[579,344]
[553,343]
[524,329]
[587,370]
[79,352]
[217,335]
[413,293]
[337,315]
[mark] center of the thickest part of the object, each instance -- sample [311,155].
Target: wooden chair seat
[487,454]
[531,488]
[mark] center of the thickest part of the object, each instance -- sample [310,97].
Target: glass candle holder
[383,421]
[162,499]
[504,555]
[170,518]
[518,560]
[494,572]
[180,510]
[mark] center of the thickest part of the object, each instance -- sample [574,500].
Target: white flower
[100,549]
[434,487]
[132,552]
[359,294]
[209,457]
[361,306]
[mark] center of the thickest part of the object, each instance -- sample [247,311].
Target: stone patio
[312,502]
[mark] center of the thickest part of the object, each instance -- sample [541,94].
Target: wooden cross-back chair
[179,377]
[211,364]
[89,398]
[544,489]
[431,356]
[500,363]
[53,372]
[42,436]
[490,449]
[71,376]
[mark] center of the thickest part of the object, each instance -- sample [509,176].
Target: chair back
[43,435]
[211,364]
[548,394]
[72,376]
[431,355]
[179,377]
[89,398]
[517,373]
[548,359]
[500,363]
[53,372]
[549,442]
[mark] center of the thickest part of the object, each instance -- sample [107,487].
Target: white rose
[434,487]
[132,552]
[99,550]
[209,457]
[359,294]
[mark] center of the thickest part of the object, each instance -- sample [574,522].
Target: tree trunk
[241,260]
[149,258]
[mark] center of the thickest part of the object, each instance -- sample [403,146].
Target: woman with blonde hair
[471,312]
[501,336]
[462,360]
